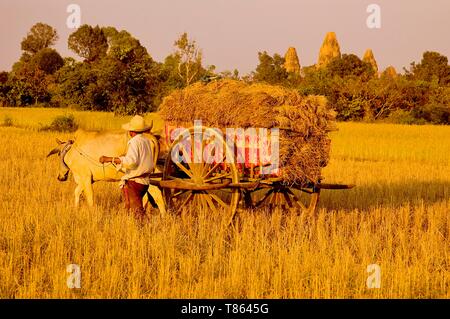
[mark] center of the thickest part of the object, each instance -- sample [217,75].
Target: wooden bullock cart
[223,185]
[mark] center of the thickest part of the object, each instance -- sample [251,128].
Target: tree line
[118,74]
[358,92]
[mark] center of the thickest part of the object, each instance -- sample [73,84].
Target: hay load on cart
[303,123]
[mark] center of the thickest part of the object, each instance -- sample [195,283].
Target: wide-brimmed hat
[137,124]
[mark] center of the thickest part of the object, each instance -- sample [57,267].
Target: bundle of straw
[304,120]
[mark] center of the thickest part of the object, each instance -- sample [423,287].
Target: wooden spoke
[297,200]
[217,177]
[288,199]
[187,156]
[189,160]
[305,190]
[204,164]
[210,203]
[180,193]
[266,195]
[195,169]
[314,202]
[184,169]
[213,168]
[202,198]
[201,187]
[283,197]
[187,199]
[198,168]
[197,204]
[271,198]
[277,199]
[194,201]
[217,199]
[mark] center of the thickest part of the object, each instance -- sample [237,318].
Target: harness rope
[96,163]
[93,160]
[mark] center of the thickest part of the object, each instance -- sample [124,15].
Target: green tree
[348,98]
[125,80]
[125,48]
[270,69]
[227,74]
[3,77]
[75,80]
[189,59]
[350,65]
[129,88]
[349,95]
[110,33]
[41,36]
[181,68]
[32,76]
[170,73]
[383,96]
[433,66]
[4,88]
[316,81]
[48,60]
[88,42]
[29,85]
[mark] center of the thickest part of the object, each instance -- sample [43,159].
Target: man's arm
[129,161]
[107,159]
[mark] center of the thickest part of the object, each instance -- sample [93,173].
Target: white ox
[81,156]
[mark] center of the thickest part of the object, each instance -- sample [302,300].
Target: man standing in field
[137,164]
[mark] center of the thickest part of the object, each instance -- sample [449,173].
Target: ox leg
[155,192]
[89,192]
[145,201]
[78,191]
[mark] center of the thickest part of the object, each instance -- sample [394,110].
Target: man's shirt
[138,160]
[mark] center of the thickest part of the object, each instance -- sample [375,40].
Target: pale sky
[231,32]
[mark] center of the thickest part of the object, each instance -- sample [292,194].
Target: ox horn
[53,151]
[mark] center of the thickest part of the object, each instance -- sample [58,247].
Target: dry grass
[397,217]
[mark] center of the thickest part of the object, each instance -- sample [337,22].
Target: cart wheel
[279,196]
[196,165]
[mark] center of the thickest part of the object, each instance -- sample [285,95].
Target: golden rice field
[398,217]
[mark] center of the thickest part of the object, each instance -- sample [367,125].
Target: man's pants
[134,193]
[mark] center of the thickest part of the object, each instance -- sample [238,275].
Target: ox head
[61,150]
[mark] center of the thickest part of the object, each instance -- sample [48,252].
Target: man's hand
[104,159]
[107,159]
